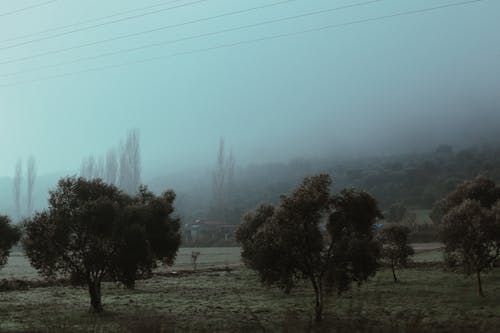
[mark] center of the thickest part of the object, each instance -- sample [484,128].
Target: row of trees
[120,166]
[415,180]
[30,185]
[93,232]
[332,240]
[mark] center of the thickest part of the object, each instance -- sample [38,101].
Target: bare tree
[88,167]
[111,168]
[99,168]
[230,171]
[130,163]
[31,177]
[17,187]
[219,176]
[222,180]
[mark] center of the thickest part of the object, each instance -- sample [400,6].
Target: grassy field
[427,299]
[423,216]
[18,266]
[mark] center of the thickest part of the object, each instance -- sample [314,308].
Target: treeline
[416,181]
[93,233]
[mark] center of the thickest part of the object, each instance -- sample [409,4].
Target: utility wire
[61,27]
[27,8]
[146,32]
[100,25]
[183,39]
[248,41]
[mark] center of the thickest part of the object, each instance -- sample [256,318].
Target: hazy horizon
[400,84]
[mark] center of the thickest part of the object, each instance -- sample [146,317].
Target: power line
[27,8]
[183,39]
[248,41]
[61,27]
[100,25]
[145,32]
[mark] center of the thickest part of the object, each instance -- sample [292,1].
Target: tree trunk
[394,274]
[95,296]
[130,284]
[479,284]
[318,290]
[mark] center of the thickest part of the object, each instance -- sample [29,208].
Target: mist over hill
[414,179]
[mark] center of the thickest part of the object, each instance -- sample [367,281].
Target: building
[206,230]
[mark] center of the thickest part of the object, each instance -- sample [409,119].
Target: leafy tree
[396,213]
[480,189]
[315,236]
[149,235]
[470,226]
[9,235]
[395,249]
[471,235]
[93,232]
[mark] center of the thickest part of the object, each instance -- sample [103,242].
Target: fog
[400,84]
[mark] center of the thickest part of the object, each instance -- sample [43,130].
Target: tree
[480,189]
[396,213]
[130,163]
[31,177]
[88,168]
[222,180]
[471,235]
[9,235]
[93,232]
[18,177]
[470,226]
[149,233]
[395,249]
[111,168]
[313,235]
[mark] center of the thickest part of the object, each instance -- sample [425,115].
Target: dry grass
[232,301]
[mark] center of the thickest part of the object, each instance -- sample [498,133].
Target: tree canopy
[470,226]
[395,249]
[313,235]
[9,235]
[93,232]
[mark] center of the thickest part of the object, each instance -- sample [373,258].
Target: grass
[18,266]
[427,299]
[423,216]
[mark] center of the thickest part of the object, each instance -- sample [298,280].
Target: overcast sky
[399,83]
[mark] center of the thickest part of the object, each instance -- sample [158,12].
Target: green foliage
[480,189]
[395,249]
[9,235]
[93,232]
[313,236]
[149,234]
[396,213]
[470,226]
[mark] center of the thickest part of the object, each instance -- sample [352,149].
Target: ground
[229,298]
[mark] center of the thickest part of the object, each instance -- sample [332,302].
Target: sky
[364,85]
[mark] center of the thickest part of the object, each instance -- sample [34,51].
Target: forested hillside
[415,180]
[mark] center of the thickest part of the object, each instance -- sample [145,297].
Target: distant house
[204,230]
